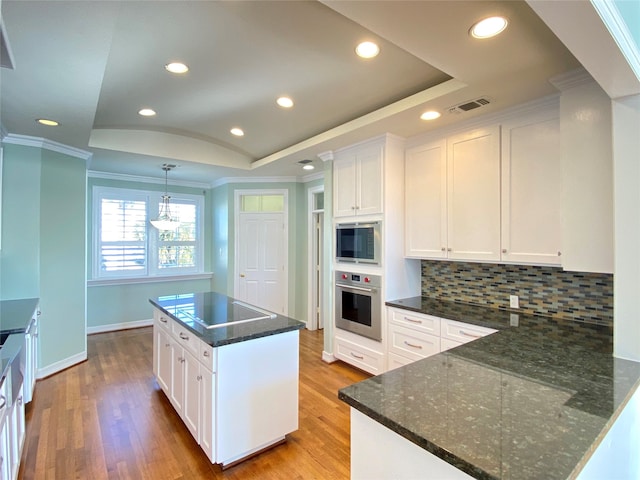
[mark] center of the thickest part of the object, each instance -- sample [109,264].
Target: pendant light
[165,221]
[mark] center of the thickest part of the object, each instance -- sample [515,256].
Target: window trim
[152,270]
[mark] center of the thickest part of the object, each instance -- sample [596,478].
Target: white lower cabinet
[236,399]
[413,336]
[359,351]
[12,433]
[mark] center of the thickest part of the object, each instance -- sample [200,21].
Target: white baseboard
[112,327]
[328,357]
[61,365]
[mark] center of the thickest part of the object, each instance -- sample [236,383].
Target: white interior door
[318,262]
[262,279]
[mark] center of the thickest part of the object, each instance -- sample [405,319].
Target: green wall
[43,244]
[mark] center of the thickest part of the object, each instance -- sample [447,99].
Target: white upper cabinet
[357,180]
[532,190]
[473,195]
[426,201]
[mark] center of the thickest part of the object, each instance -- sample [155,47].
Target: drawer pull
[359,357]
[412,345]
[462,332]
[183,336]
[413,320]
[163,320]
[3,401]
[206,353]
[167,345]
[199,377]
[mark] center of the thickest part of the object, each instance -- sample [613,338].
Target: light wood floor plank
[108,419]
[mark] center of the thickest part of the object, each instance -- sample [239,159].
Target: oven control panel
[361,279]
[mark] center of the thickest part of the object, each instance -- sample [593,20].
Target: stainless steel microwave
[358,242]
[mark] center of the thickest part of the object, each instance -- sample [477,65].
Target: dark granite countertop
[210,308]
[530,401]
[15,317]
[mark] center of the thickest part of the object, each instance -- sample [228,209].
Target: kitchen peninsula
[533,400]
[229,369]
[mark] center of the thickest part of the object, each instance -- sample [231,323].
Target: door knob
[242,275]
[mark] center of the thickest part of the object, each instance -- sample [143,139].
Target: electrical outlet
[514,301]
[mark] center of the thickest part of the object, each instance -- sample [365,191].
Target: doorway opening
[316,258]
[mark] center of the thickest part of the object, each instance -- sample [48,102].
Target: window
[125,243]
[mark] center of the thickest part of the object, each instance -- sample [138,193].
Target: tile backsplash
[549,291]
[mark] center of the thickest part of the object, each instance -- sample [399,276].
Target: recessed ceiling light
[430,115]
[489,27]
[47,122]
[367,50]
[146,112]
[285,102]
[176,67]
[238,132]
[306,164]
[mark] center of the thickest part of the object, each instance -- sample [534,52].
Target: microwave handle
[354,288]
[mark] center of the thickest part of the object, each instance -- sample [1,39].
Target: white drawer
[207,356]
[463,332]
[359,356]
[395,361]
[162,320]
[188,340]
[412,343]
[419,321]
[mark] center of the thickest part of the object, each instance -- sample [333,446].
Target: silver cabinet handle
[449,249]
[462,332]
[167,345]
[559,253]
[183,336]
[413,320]
[206,353]
[20,400]
[3,399]
[163,320]
[443,249]
[359,357]
[504,250]
[199,377]
[412,345]
[362,289]
[39,313]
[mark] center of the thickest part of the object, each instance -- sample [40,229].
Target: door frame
[238,193]
[312,323]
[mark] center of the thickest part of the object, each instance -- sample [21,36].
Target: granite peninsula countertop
[210,308]
[531,401]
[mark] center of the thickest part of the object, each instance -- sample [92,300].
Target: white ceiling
[93,64]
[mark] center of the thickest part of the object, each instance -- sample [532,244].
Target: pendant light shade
[165,220]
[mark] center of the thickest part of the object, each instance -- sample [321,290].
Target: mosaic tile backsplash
[549,291]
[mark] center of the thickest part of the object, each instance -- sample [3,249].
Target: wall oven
[359,304]
[358,242]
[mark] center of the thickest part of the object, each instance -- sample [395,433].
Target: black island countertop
[533,400]
[231,318]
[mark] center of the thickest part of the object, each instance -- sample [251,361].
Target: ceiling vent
[471,105]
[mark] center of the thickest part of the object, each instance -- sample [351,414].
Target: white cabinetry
[357,180]
[236,399]
[31,357]
[413,335]
[12,430]
[473,195]
[426,201]
[452,204]
[532,189]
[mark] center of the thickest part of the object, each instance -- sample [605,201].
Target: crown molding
[136,178]
[619,30]
[326,156]
[312,177]
[3,132]
[226,180]
[571,79]
[28,141]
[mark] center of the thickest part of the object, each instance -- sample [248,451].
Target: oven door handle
[369,290]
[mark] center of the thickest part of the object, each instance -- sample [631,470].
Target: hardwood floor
[108,419]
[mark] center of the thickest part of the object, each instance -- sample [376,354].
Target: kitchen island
[533,400]
[230,370]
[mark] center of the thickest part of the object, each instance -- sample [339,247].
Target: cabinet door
[473,194]
[163,357]
[191,402]
[531,191]
[426,201]
[176,386]
[344,185]
[207,413]
[369,180]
